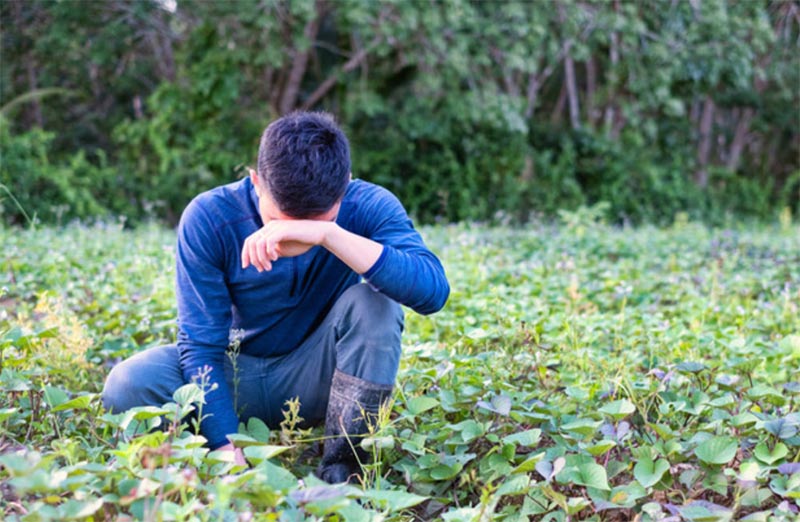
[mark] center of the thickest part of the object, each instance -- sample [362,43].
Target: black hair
[304,157]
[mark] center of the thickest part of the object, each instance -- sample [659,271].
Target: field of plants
[578,372]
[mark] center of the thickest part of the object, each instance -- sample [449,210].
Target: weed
[579,372]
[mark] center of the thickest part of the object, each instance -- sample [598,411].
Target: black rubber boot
[352,407]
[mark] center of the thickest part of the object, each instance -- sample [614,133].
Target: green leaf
[502,404]
[529,464]
[256,454]
[240,440]
[392,501]
[469,430]
[516,485]
[83,508]
[764,454]
[189,394]
[6,413]
[619,497]
[54,396]
[618,409]
[788,487]
[690,367]
[277,477]
[748,471]
[584,427]
[78,403]
[648,472]
[601,448]
[576,505]
[549,470]
[445,472]
[791,346]
[477,334]
[257,429]
[781,428]
[524,438]
[717,450]
[461,514]
[19,464]
[373,443]
[148,412]
[703,511]
[587,474]
[419,405]
[743,419]
[769,394]
[755,498]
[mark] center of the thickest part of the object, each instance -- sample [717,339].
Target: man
[279,258]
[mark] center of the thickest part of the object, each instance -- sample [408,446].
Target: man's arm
[204,319]
[281,237]
[393,258]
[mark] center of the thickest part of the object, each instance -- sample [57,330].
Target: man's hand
[292,237]
[238,456]
[283,238]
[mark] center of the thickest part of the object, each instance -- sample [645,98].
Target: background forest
[467,110]
[581,370]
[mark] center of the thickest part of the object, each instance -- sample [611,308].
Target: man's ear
[256,181]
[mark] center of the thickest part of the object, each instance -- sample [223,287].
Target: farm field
[578,372]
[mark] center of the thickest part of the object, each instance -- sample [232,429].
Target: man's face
[269,209]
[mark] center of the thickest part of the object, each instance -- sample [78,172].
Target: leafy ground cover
[578,372]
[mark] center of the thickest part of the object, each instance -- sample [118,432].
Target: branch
[535,81]
[331,80]
[33,96]
[292,89]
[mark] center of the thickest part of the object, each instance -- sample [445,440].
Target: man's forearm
[357,252]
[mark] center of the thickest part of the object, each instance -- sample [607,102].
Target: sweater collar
[251,189]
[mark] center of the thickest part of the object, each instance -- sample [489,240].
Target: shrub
[36,188]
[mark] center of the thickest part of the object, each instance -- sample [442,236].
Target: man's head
[304,164]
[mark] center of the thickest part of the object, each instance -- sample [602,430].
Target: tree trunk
[31,78]
[535,82]
[168,53]
[591,87]
[739,139]
[613,57]
[694,112]
[569,76]
[291,91]
[531,95]
[617,125]
[36,107]
[159,36]
[354,61]
[558,110]
[267,86]
[704,146]
[572,92]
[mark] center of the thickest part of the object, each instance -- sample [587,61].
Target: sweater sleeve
[407,271]
[204,319]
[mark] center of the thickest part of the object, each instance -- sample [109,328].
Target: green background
[467,110]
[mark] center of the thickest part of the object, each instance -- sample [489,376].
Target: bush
[34,188]
[455,164]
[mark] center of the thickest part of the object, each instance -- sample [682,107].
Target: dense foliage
[463,108]
[578,372]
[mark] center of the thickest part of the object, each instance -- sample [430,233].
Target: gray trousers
[360,337]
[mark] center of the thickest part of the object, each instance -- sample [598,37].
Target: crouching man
[311,268]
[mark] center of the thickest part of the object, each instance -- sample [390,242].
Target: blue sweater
[277,310]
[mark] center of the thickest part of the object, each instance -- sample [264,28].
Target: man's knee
[119,388]
[372,312]
[146,379]
[369,331]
